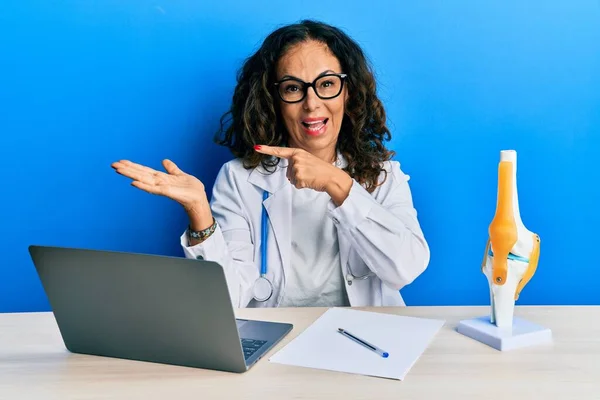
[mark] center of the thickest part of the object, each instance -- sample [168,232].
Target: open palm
[174,184]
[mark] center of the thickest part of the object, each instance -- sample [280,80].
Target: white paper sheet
[322,346]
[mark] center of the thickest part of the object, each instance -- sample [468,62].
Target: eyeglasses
[292,90]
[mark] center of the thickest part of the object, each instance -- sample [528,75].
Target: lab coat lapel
[278,205]
[343,242]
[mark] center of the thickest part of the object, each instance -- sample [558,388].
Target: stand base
[522,334]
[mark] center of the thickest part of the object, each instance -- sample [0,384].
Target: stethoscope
[263,288]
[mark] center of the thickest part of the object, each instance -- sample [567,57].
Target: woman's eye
[292,88]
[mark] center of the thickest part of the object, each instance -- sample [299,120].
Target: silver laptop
[149,308]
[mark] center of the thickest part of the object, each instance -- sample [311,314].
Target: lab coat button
[199,258]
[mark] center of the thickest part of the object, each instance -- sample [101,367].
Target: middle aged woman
[312,211]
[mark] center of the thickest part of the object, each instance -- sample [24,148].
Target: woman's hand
[175,184]
[308,171]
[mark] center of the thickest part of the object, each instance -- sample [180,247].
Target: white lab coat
[378,233]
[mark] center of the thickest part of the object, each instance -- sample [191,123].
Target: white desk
[35,364]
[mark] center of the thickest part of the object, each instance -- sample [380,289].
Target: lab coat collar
[271,181]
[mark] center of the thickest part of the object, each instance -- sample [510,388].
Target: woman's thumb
[171,168]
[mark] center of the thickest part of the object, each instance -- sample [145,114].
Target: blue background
[85,83]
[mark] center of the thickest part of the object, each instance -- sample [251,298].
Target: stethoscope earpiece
[351,278]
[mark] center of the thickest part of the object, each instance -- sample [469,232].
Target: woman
[312,211]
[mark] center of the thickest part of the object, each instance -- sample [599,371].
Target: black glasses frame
[306,85]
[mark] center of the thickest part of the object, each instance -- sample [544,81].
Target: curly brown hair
[254,116]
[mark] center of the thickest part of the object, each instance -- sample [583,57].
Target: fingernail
[257,147]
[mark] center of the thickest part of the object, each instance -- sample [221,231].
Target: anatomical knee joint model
[512,251]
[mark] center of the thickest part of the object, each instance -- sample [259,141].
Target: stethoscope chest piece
[262,289]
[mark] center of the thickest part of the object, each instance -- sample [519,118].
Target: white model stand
[522,333]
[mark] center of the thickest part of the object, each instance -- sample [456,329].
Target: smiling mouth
[316,125]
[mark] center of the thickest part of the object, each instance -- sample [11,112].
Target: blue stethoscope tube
[263,288]
[263,239]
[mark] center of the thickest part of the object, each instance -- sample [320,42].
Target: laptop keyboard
[250,346]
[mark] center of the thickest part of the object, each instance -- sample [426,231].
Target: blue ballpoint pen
[364,343]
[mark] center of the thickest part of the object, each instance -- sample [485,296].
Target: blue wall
[85,83]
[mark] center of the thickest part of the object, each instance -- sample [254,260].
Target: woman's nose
[311,101]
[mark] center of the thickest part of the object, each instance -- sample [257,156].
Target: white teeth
[314,126]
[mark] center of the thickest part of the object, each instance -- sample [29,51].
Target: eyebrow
[329,71]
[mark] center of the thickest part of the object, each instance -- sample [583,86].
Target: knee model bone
[512,251]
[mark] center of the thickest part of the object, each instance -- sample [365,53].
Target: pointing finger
[281,152]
